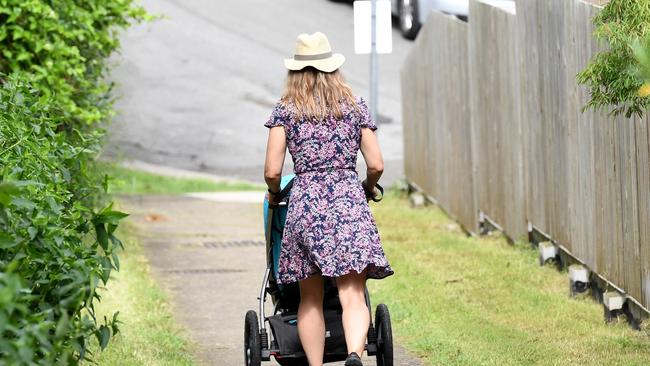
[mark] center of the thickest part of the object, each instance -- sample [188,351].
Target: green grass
[129,181]
[148,333]
[456,300]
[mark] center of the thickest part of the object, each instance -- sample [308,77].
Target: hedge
[57,242]
[64,45]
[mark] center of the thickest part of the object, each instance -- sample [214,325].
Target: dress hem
[375,272]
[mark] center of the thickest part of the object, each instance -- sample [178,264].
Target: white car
[413,13]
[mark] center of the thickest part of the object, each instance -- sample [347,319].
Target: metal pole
[373,61]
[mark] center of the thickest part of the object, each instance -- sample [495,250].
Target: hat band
[319,56]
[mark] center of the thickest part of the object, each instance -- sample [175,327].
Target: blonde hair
[317,94]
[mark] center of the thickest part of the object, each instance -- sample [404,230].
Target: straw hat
[314,50]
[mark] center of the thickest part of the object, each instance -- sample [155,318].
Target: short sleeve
[278,116]
[364,116]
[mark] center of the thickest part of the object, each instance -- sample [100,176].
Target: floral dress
[329,228]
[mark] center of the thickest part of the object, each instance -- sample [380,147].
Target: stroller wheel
[252,346]
[384,336]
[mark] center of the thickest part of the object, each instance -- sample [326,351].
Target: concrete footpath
[207,252]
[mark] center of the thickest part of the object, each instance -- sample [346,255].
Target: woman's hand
[272,198]
[371,192]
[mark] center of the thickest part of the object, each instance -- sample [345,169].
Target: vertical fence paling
[544,71]
[409,118]
[493,122]
[643,179]
[414,114]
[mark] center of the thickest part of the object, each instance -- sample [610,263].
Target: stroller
[282,341]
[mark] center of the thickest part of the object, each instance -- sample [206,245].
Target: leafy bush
[56,248]
[614,75]
[64,44]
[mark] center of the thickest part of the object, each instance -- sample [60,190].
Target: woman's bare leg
[311,323]
[356,318]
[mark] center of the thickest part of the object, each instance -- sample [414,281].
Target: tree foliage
[614,76]
[642,54]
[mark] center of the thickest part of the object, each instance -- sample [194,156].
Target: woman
[329,230]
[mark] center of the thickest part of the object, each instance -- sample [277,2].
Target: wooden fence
[524,153]
[438,156]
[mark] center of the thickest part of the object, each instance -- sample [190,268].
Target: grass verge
[457,300]
[148,333]
[129,181]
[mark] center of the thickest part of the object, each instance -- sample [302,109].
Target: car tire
[409,18]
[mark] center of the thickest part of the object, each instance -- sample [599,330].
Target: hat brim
[326,65]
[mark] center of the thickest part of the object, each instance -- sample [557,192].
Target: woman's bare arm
[372,155]
[276,148]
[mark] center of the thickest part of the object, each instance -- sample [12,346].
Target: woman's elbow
[272,174]
[376,168]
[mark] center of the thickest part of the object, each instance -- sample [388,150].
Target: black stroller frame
[282,341]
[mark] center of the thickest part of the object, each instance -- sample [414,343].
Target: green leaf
[115,323]
[62,325]
[105,183]
[54,206]
[107,215]
[80,346]
[7,241]
[8,190]
[23,56]
[116,241]
[106,269]
[116,261]
[103,336]
[24,203]
[102,235]
[32,231]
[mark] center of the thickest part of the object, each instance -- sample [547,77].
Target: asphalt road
[195,87]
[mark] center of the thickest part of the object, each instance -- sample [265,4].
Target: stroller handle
[284,192]
[380,196]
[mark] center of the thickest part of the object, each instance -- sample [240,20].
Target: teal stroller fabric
[279,217]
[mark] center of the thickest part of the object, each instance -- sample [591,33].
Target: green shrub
[54,248]
[614,75]
[64,44]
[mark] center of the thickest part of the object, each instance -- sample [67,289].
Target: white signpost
[373,34]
